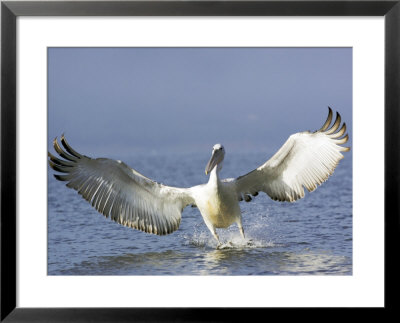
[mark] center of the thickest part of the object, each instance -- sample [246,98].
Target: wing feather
[306,160]
[119,192]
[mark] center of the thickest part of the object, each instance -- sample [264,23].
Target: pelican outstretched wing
[305,160]
[121,193]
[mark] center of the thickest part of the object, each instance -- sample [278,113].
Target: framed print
[160,86]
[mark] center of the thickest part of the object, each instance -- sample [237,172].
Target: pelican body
[305,160]
[217,202]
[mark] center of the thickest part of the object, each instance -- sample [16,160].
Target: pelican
[305,160]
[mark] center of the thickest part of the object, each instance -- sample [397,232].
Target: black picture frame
[10,10]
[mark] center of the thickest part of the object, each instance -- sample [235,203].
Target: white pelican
[305,160]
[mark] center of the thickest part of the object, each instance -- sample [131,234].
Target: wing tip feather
[69,149]
[335,132]
[327,122]
[61,178]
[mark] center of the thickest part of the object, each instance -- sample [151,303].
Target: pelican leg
[241,229]
[248,242]
[214,233]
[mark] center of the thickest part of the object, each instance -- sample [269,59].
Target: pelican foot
[227,245]
[250,243]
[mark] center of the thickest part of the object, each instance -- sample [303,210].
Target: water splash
[229,240]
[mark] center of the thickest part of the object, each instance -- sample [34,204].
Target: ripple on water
[310,237]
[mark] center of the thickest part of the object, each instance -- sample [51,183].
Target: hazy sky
[118,101]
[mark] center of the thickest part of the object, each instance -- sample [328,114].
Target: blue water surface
[312,236]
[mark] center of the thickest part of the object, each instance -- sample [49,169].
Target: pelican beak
[216,158]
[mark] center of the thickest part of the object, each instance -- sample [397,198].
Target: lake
[312,236]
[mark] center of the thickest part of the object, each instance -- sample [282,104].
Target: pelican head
[217,157]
